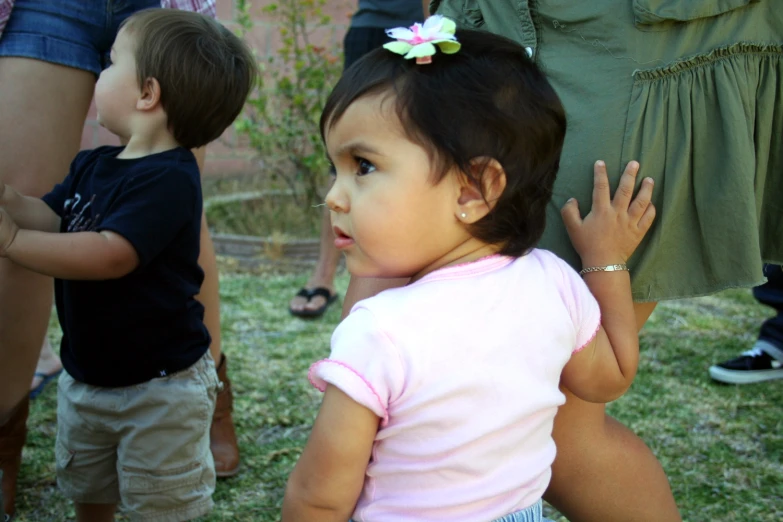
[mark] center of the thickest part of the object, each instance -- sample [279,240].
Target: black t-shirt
[147,324]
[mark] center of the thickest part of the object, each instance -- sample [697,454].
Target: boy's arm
[28,212]
[609,234]
[77,256]
[328,479]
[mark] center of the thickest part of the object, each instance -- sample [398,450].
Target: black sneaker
[754,365]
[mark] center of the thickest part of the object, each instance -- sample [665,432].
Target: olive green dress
[693,90]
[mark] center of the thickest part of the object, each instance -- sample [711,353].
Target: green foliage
[281,117]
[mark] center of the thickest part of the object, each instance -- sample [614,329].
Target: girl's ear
[150,95]
[477,198]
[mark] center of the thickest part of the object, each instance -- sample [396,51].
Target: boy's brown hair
[205,71]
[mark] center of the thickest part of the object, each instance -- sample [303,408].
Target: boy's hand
[613,229]
[8,230]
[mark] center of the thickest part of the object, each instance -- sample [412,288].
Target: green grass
[722,446]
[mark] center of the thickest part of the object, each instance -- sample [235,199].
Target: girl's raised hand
[614,227]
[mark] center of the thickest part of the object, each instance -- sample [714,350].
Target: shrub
[281,116]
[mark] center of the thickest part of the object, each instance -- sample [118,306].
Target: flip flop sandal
[309,294]
[46,378]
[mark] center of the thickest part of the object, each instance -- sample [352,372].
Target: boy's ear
[150,95]
[474,201]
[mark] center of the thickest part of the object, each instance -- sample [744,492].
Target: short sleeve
[364,364]
[56,198]
[582,306]
[152,208]
[61,192]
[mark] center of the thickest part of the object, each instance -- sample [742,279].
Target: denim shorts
[74,33]
[533,513]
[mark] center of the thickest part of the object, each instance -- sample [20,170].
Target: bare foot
[303,303]
[48,363]
[298,303]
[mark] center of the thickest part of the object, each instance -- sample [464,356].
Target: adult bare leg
[325,269]
[42,112]
[603,471]
[222,435]
[209,296]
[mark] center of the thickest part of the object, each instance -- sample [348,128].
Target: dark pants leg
[359,41]
[771,294]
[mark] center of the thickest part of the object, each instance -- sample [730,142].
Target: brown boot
[222,438]
[12,437]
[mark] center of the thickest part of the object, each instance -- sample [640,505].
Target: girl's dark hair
[488,101]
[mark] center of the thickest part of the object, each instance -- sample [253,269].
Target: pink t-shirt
[463,368]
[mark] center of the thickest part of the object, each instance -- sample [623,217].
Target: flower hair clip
[419,40]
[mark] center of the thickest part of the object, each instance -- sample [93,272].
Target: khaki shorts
[145,446]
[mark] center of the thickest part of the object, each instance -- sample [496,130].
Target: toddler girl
[440,396]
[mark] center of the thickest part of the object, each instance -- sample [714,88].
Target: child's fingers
[642,199]
[647,219]
[571,216]
[622,198]
[601,194]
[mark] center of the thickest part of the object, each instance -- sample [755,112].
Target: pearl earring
[463,215]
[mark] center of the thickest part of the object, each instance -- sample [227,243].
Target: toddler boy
[120,236]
